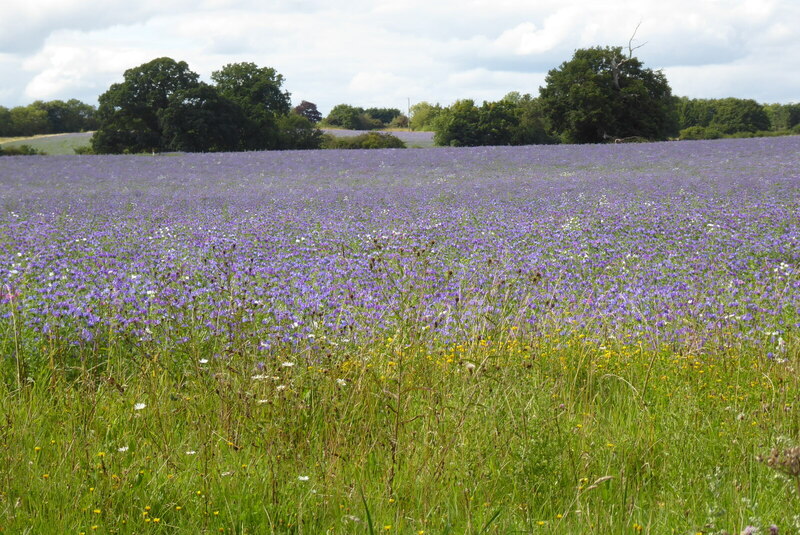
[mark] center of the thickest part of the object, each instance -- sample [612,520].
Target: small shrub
[370,140]
[21,150]
[699,132]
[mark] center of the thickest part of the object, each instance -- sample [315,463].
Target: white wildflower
[123,449]
[139,406]
[303,478]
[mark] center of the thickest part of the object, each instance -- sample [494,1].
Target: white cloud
[381,52]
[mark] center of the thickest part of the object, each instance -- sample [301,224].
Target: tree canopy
[601,93]
[161,106]
[258,93]
[130,111]
[514,120]
[309,111]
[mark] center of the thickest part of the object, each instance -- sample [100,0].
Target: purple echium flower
[687,244]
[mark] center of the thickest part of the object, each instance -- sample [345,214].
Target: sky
[387,53]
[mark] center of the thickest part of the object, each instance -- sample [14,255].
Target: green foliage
[129,112]
[514,120]
[693,112]
[70,116]
[309,111]
[257,91]
[423,116]
[699,132]
[298,132]
[28,121]
[199,119]
[356,118]
[782,116]
[6,129]
[161,106]
[600,94]
[739,115]
[20,150]
[345,116]
[51,117]
[457,126]
[86,149]
[531,127]
[401,121]
[384,115]
[368,140]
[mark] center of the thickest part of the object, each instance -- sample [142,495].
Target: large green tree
[457,125]
[258,92]
[602,93]
[423,116]
[733,115]
[130,112]
[345,116]
[199,119]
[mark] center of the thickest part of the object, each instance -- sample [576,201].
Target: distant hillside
[52,144]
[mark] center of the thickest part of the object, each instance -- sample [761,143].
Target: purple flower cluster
[689,244]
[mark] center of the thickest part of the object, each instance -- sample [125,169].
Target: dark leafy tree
[497,122]
[693,112]
[531,125]
[513,120]
[129,112]
[309,111]
[733,115]
[70,116]
[783,116]
[297,132]
[345,116]
[28,121]
[258,92]
[603,94]
[6,126]
[384,115]
[199,119]
[457,126]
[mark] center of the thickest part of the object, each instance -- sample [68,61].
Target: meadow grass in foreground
[403,436]
[594,339]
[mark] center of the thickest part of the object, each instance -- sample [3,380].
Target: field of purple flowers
[689,244]
[559,339]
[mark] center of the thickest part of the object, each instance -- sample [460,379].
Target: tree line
[47,117]
[602,94]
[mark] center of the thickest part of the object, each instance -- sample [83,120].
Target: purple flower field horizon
[691,244]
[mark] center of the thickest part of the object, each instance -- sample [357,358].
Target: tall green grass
[52,144]
[504,433]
